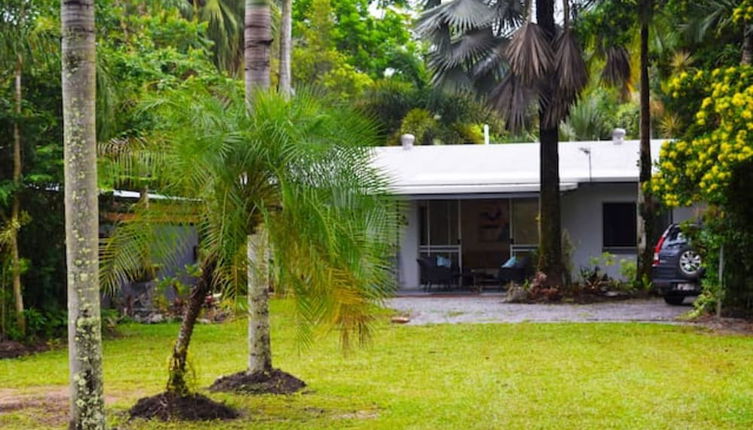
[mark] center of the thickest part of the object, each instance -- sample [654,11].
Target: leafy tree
[370,42]
[319,63]
[82,236]
[712,164]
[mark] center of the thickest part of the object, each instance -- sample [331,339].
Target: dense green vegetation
[513,376]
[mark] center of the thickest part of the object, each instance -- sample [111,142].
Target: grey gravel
[490,309]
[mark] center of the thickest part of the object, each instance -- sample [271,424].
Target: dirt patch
[194,407]
[273,382]
[48,407]
[734,326]
[13,349]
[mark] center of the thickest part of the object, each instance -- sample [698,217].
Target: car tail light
[657,248]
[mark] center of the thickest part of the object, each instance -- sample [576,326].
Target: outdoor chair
[434,274]
[514,270]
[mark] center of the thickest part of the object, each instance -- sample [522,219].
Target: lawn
[493,376]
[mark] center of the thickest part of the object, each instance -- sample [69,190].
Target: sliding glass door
[440,230]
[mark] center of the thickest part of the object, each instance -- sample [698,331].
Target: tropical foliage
[291,168]
[712,164]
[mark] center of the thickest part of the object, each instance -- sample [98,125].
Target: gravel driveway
[491,309]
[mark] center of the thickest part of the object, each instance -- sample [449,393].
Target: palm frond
[513,100]
[617,68]
[461,15]
[530,54]
[571,75]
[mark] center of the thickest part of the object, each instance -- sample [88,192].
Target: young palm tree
[81,214]
[292,170]
[496,50]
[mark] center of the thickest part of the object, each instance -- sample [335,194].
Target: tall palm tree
[22,43]
[646,205]
[286,46]
[495,49]
[81,214]
[292,170]
[257,41]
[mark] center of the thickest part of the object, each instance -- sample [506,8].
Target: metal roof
[505,168]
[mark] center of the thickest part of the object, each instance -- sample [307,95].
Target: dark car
[677,268]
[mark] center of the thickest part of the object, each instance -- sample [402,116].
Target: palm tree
[496,50]
[291,170]
[646,206]
[224,20]
[22,43]
[286,46]
[81,220]
[257,40]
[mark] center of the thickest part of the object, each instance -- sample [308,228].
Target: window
[620,229]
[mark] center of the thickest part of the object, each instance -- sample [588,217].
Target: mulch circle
[273,382]
[193,407]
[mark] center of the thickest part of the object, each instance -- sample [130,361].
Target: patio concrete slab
[491,309]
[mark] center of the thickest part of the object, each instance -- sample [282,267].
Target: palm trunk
[259,348]
[176,383]
[550,240]
[286,46]
[646,207]
[81,214]
[16,206]
[257,39]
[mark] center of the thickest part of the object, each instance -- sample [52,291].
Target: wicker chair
[433,274]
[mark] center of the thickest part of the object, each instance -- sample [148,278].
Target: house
[477,205]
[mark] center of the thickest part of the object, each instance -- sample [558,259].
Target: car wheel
[689,264]
[674,300]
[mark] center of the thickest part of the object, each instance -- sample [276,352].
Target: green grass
[493,376]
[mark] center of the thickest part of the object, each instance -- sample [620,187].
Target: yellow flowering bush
[719,136]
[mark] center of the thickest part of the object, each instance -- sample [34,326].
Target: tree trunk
[16,206]
[81,214]
[259,348]
[646,207]
[257,38]
[286,46]
[176,382]
[747,51]
[550,238]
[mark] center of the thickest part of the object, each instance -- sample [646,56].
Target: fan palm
[495,49]
[291,170]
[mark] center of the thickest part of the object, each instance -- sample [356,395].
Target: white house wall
[408,275]
[582,219]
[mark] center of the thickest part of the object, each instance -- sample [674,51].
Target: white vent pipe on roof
[407,141]
[618,136]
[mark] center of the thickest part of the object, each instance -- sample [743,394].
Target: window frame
[618,249]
